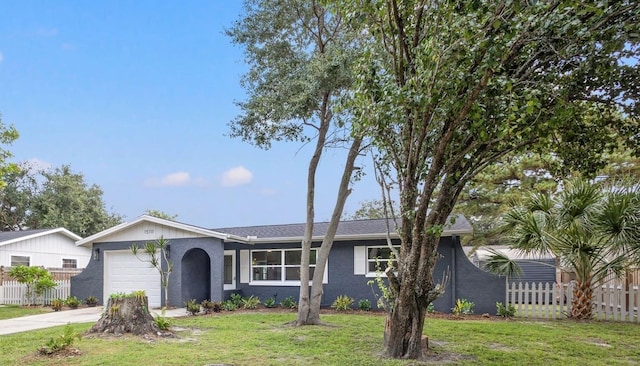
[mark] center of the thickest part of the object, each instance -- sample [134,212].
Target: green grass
[16,311]
[353,339]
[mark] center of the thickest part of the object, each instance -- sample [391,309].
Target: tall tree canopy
[448,88]
[65,200]
[8,134]
[299,59]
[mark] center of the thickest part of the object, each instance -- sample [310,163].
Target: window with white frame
[279,265]
[379,257]
[69,263]
[20,260]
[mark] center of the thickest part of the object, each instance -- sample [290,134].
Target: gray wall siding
[476,285]
[91,281]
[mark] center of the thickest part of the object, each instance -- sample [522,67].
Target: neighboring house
[265,261]
[535,268]
[49,248]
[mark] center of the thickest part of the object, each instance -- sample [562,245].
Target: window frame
[75,263]
[283,266]
[21,256]
[368,260]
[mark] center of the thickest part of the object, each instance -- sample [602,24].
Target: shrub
[91,301]
[463,306]
[342,303]
[364,305]
[236,299]
[56,304]
[508,311]
[193,307]
[36,279]
[431,308]
[61,342]
[229,305]
[289,303]
[161,321]
[210,306]
[250,302]
[270,303]
[72,302]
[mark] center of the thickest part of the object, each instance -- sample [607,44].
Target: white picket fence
[552,301]
[13,293]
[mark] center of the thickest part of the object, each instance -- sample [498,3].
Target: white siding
[149,231]
[46,250]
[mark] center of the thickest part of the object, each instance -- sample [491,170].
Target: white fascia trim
[156,220]
[61,230]
[297,239]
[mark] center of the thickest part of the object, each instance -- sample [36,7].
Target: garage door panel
[124,272]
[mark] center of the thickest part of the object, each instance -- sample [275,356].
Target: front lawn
[351,339]
[16,311]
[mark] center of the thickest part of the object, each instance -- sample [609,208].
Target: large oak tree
[448,88]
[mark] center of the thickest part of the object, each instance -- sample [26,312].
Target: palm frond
[498,263]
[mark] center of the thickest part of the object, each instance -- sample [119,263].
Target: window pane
[267,274]
[312,256]
[293,273]
[380,253]
[228,268]
[270,257]
[292,257]
[69,263]
[18,260]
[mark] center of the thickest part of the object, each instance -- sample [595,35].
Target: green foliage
[63,341]
[65,200]
[118,295]
[270,302]
[56,304]
[385,297]
[16,197]
[91,301]
[508,311]
[364,305]
[236,299]
[463,307]
[36,279]
[250,302]
[162,321]
[431,309]
[72,302]
[192,306]
[161,214]
[8,134]
[342,303]
[157,255]
[289,303]
[229,305]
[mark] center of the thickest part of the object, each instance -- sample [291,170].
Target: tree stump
[127,315]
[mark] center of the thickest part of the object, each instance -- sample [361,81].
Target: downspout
[454,275]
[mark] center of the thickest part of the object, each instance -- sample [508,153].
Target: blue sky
[137,96]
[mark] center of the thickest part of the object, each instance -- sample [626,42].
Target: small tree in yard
[158,257]
[37,280]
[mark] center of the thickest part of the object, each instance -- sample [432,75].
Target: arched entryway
[196,275]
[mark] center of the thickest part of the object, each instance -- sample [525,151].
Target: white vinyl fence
[13,293]
[552,301]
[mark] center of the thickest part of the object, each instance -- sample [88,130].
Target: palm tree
[593,228]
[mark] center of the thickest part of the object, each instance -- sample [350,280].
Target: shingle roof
[11,235]
[346,228]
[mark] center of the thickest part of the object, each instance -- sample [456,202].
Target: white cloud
[1,57]
[170,180]
[176,179]
[236,177]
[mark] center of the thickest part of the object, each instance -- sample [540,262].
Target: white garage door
[123,272]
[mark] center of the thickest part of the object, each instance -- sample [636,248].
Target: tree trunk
[127,315]
[582,301]
[403,338]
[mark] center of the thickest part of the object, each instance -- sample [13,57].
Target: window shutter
[359,260]
[244,266]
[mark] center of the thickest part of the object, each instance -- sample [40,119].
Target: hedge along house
[265,261]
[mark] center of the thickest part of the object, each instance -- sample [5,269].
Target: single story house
[48,248]
[265,261]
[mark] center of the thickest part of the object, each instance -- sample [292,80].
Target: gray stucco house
[264,261]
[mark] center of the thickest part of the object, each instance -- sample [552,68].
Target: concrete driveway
[84,315]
